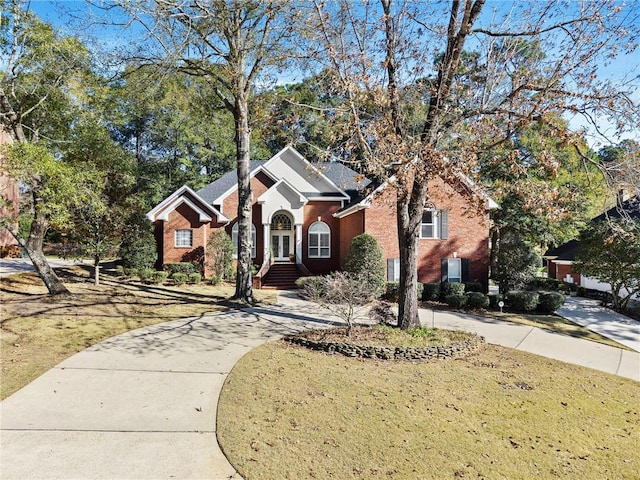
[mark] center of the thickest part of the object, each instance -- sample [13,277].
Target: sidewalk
[142,405]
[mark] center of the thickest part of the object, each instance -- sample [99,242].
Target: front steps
[281,276]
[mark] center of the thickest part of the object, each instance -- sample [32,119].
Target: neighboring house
[305,216]
[560,259]
[10,199]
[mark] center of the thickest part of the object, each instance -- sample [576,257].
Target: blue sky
[85,16]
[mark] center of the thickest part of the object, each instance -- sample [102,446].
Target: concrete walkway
[12,266]
[143,405]
[590,314]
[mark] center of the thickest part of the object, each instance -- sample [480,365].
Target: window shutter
[390,270]
[444,270]
[444,224]
[465,269]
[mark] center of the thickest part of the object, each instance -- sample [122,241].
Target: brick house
[304,217]
[560,259]
[10,198]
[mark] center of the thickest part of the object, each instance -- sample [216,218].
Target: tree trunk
[244,285]
[33,247]
[96,270]
[409,213]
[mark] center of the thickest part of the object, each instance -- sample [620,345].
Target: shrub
[146,273]
[419,291]
[138,247]
[452,288]
[517,263]
[311,284]
[391,292]
[220,254]
[215,280]
[431,292]
[10,251]
[383,313]
[473,287]
[180,267]
[455,300]
[195,278]
[581,291]
[129,272]
[159,277]
[549,302]
[523,301]
[179,278]
[365,258]
[477,300]
[494,298]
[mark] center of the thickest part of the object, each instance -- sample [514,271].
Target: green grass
[290,413]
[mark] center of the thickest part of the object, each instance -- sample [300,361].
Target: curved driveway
[143,405]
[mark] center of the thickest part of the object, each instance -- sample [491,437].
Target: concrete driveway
[11,266]
[142,405]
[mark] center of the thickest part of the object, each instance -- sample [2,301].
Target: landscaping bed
[387,343]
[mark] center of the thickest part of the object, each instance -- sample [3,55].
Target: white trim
[264,197]
[206,212]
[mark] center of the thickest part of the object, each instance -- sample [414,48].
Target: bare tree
[232,44]
[431,85]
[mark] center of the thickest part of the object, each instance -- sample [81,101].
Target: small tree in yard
[344,294]
[220,254]
[516,264]
[610,252]
[365,258]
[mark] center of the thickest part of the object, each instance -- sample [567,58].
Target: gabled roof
[185,195]
[339,180]
[275,188]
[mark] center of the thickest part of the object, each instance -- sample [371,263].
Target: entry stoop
[281,276]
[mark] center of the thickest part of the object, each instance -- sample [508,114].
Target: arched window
[281,221]
[234,239]
[319,240]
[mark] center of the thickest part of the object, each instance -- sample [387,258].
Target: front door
[281,245]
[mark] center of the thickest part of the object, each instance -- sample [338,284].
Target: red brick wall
[468,232]
[562,270]
[325,211]
[350,226]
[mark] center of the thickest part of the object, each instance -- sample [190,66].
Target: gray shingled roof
[216,188]
[345,178]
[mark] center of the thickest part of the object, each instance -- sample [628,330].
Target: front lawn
[38,331]
[290,413]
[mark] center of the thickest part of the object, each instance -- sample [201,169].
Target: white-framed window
[454,270]
[393,269]
[234,239]
[434,223]
[319,240]
[184,238]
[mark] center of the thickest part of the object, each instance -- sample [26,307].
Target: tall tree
[230,43]
[485,83]
[40,69]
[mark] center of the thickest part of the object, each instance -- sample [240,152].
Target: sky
[58,12]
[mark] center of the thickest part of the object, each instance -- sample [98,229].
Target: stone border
[390,353]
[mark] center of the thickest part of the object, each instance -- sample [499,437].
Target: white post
[266,241]
[298,243]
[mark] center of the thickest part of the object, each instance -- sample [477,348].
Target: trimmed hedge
[456,301]
[181,267]
[523,301]
[430,292]
[146,273]
[195,278]
[452,288]
[179,278]
[477,300]
[549,302]
[159,277]
[473,287]
[494,298]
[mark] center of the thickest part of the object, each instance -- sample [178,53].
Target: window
[319,240]
[434,224]
[454,270]
[184,238]
[234,239]
[281,221]
[393,270]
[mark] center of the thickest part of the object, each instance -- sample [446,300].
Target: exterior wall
[9,189]
[350,227]
[562,270]
[468,232]
[325,211]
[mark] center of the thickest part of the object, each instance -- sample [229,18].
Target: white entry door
[281,245]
